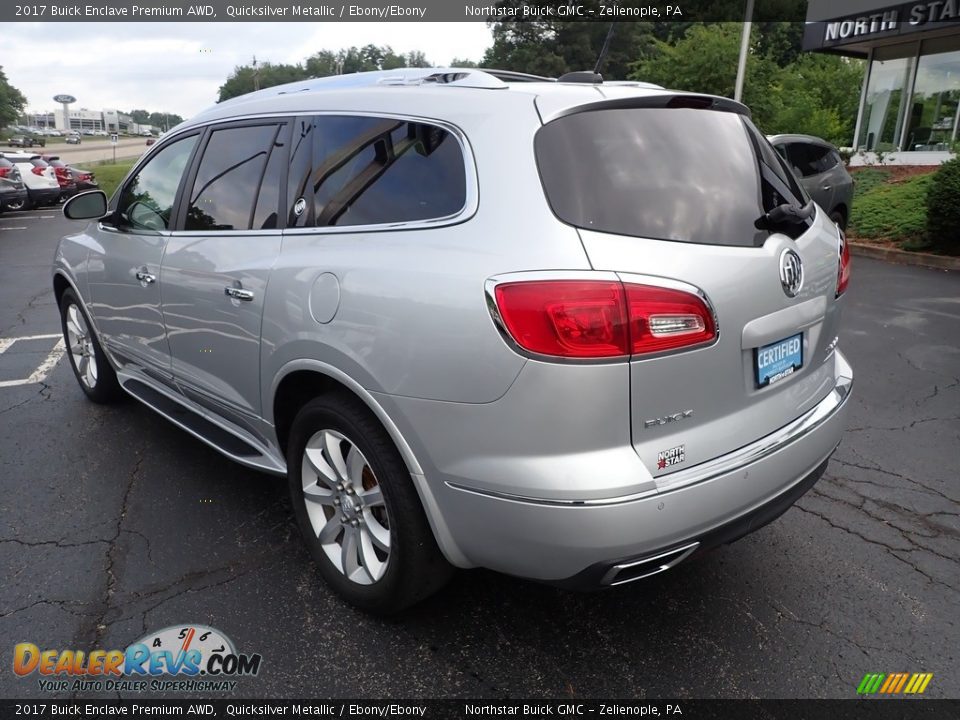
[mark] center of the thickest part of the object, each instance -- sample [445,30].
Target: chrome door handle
[145,278]
[826,187]
[238,293]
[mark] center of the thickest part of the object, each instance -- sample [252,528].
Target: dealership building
[910,99]
[82,119]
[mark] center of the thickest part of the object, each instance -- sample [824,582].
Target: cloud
[179,67]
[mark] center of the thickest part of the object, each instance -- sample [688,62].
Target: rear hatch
[676,192]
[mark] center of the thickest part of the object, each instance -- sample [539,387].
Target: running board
[234,443]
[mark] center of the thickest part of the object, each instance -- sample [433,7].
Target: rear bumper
[44,196]
[576,543]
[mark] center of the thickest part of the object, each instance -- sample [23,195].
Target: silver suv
[568,331]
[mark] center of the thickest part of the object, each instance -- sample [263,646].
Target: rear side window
[681,174]
[225,192]
[374,171]
[808,159]
[37,162]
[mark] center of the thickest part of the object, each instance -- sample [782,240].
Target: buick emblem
[791,272]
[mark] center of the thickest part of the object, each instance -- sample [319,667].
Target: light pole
[744,49]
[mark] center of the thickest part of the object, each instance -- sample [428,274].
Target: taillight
[843,273]
[63,175]
[36,170]
[602,318]
[667,319]
[4,172]
[566,318]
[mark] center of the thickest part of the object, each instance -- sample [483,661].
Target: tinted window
[228,180]
[372,171]
[268,202]
[146,201]
[810,159]
[301,158]
[683,174]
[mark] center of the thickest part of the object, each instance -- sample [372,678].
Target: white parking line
[40,374]
[20,216]
[14,228]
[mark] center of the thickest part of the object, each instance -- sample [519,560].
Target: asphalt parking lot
[113,522]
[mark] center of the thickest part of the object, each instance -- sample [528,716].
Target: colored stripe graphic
[894,683]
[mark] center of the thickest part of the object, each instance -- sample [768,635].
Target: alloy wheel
[345,506]
[80,345]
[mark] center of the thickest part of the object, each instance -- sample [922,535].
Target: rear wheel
[357,509]
[17,205]
[839,217]
[90,365]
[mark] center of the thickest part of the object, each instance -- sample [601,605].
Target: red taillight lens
[36,170]
[566,318]
[4,171]
[602,319]
[666,319]
[843,274]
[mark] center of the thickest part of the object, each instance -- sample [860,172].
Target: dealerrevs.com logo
[180,658]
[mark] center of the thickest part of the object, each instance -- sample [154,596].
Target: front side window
[146,201]
[374,171]
[229,179]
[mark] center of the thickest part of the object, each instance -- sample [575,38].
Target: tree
[12,101]
[246,78]
[811,93]
[462,63]
[554,47]
[416,59]
[140,116]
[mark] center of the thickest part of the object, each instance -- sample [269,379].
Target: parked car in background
[27,141]
[331,280]
[151,141]
[13,193]
[43,188]
[68,184]
[86,179]
[73,138]
[821,171]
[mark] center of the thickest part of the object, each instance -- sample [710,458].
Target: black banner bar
[397,10]
[855,709]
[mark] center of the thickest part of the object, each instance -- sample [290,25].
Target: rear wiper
[786,214]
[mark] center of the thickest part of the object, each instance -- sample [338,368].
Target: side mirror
[86,206]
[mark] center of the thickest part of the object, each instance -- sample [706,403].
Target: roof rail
[513,76]
[456,77]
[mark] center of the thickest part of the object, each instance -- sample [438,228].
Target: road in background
[93,150]
[114,523]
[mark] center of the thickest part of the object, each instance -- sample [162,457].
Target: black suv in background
[13,193]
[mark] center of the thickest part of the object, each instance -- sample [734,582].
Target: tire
[839,218]
[384,558]
[18,205]
[93,370]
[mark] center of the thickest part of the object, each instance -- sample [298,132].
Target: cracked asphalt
[113,523]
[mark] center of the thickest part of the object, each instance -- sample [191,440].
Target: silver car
[566,331]
[821,171]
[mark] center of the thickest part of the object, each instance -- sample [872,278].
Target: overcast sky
[178,67]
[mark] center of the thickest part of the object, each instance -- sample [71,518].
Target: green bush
[943,208]
[894,211]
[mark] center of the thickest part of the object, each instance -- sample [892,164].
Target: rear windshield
[681,174]
[37,162]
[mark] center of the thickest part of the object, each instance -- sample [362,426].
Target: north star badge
[673,456]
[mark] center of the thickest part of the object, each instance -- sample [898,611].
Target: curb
[904,257]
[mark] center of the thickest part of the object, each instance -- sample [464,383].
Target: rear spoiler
[660,100]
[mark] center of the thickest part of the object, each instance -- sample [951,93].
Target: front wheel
[90,365]
[357,509]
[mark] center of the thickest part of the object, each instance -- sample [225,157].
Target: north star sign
[895,20]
